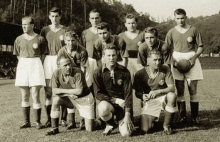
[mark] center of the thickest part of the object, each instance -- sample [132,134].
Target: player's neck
[152,72]
[111,67]
[133,32]
[94,29]
[185,26]
[55,25]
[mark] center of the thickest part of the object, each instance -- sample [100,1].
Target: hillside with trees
[75,15]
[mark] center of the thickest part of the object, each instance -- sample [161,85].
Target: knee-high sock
[26,113]
[55,118]
[48,109]
[63,113]
[194,109]
[182,108]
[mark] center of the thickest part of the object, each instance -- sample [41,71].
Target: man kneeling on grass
[154,84]
[69,89]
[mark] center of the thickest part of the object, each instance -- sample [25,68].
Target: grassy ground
[209,116]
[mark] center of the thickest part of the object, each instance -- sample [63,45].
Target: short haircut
[152,30]
[56,10]
[130,16]
[61,57]
[103,25]
[71,34]
[155,52]
[111,47]
[31,19]
[180,11]
[94,11]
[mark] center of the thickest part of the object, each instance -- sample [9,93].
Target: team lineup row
[101,67]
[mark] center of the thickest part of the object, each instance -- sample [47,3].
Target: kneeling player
[154,84]
[112,87]
[69,90]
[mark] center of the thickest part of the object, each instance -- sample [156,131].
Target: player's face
[180,19]
[104,34]
[54,18]
[110,57]
[65,66]
[154,61]
[131,25]
[94,18]
[26,26]
[70,41]
[150,39]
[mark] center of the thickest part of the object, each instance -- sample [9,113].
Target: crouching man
[154,85]
[69,89]
[112,87]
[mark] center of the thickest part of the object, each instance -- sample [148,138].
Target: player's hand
[192,61]
[153,94]
[73,96]
[120,102]
[145,97]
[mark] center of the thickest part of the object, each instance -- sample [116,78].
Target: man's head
[151,36]
[180,17]
[131,22]
[70,38]
[55,15]
[110,54]
[103,31]
[27,24]
[64,64]
[94,17]
[154,59]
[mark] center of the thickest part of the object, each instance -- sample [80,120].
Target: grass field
[209,116]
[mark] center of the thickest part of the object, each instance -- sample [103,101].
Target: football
[183,66]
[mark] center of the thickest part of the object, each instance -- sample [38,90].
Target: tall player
[30,49]
[105,37]
[133,38]
[152,42]
[54,35]
[90,35]
[79,58]
[187,44]
[154,85]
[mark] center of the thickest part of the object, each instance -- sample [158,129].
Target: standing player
[153,43]
[54,35]
[30,49]
[133,39]
[187,44]
[154,85]
[105,37]
[79,58]
[89,36]
[112,87]
[70,89]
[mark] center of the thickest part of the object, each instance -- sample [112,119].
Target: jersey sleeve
[54,82]
[142,55]
[97,54]
[198,38]
[16,47]
[128,92]
[169,77]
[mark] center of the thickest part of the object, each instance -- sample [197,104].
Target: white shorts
[153,107]
[195,73]
[133,67]
[30,72]
[92,65]
[50,65]
[85,106]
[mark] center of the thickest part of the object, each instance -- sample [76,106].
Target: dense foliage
[75,14]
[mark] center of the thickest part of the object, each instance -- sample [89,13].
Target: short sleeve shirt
[185,42]
[144,84]
[30,48]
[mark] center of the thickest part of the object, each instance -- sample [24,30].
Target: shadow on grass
[208,120]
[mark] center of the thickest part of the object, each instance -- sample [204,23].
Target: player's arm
[16,50]
[197,54]
[97,53]
[142,59]
[123,51]
[128,92]
[170,86]
[99,88]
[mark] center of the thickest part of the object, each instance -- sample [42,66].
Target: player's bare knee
[171,97]
[103,108]
[56,100]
